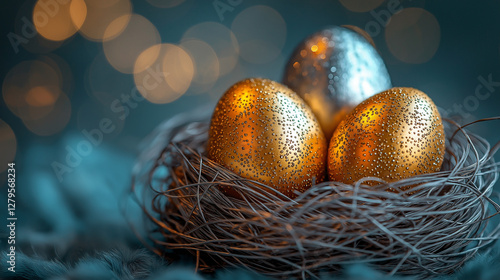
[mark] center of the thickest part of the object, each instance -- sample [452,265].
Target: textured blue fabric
[77,228]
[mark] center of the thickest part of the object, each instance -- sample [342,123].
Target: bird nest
[433,228]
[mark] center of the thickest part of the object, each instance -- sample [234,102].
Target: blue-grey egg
[334,70]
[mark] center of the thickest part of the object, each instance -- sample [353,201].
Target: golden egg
[392,135]
[334,70]
[264,131]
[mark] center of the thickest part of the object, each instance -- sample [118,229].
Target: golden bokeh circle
[58,21]
[222,41]
[31,88]
[178,67]
[123,50]
[40,96]
[206,64]
[413,35]
[25,34]
[100,14]
[168,77]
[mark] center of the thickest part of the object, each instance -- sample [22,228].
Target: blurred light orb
[168,77]
[206,64]
[361,6]
[41,96]
[27,36]
[261,33]
[222,41]
[25,103]
[54,121]
[123,50]
[8,145]
[178,67]
[78,12]
[165,4]
[413,35]
[100,14]
[31,88]
[58,21]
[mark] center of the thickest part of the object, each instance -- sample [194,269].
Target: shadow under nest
[434,230]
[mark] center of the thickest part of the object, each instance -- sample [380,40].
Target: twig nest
[430,232]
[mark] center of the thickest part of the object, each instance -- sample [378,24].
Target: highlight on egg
[263,131]
[334,70]
[393,135]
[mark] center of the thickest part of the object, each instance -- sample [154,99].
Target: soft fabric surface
[76,229]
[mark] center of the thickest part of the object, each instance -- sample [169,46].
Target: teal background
[82,214]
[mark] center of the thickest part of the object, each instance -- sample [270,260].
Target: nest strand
[433,228]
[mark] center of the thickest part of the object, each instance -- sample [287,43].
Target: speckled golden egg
[392,135]
[334,70]
[263,131]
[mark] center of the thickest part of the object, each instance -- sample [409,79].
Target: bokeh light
[165,4]
[8,145]
[222,41]
[178,68]
[99,16]
[261,33]
[27,36]
[168,77]
[122,50]
[54,121]
[41,97]
[58,21]
[413,35]
[30,89]
[361,32]
[205,62]
[33,91]
[361,6]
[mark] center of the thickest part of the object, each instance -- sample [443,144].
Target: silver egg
[334,70]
